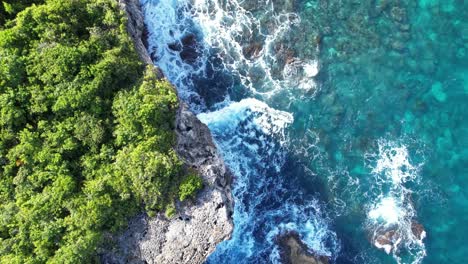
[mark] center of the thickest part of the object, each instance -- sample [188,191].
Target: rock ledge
[294,251]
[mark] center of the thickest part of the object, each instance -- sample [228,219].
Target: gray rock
[199,225]
[294,251]
[389,239]
[136,27]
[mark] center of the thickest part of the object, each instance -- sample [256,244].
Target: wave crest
[250,136]
[391,218]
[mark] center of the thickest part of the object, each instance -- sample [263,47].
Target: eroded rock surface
[294,251]
[200,225]
[136,27]
[388,240]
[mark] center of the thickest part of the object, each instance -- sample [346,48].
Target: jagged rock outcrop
[389,239]
[199,225]
[294,251]
[136,27]
[194,233]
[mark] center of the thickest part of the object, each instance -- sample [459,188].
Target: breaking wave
[209,48]
[391,218]
[250,136]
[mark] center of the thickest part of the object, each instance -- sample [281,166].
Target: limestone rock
[294,251]
[200,226]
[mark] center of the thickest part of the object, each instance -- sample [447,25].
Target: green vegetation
[9,8]
[189,186]
[170,211]
[86,132]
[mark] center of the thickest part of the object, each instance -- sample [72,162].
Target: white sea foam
[300,74]
[388,211]
[392,212]
[242,44]
[250,136]
[393,164]
[268,120]
[311,69]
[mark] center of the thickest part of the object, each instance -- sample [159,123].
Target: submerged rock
[252,50]
[188,48]
[438,92]
[389,239]
[294,251]
[398,46]
[398,14]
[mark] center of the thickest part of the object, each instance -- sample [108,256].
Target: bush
[170,211]
[189,186]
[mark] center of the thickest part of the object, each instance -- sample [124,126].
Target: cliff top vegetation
[86,131]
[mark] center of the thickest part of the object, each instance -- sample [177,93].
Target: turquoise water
[415,96]
[400,82]
[341,120]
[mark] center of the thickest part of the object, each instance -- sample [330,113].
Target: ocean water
[341,120]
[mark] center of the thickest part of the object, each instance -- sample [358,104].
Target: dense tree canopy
[9,8]
[86,131]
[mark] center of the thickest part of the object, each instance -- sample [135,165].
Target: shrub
[189,186]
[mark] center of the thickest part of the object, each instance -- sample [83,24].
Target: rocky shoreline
[200,225]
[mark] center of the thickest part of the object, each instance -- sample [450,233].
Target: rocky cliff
[199,225]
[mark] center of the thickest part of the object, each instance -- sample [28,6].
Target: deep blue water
[341,120]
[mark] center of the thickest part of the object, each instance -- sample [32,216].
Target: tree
[86,131]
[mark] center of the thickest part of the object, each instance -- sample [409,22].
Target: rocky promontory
[199,225]
[294,251]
